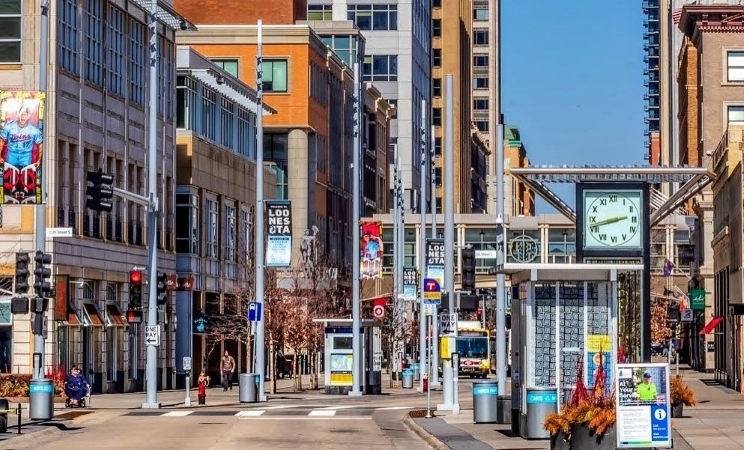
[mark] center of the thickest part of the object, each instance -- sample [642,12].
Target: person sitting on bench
[76,386]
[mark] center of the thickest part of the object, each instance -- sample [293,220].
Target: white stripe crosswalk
[282,412]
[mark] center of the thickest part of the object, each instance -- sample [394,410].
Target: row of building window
[380,17]
[275,72]
[380,68]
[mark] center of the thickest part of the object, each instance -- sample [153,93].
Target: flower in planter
[681,392]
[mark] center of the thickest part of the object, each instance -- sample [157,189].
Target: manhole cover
[419,413]
[72,415]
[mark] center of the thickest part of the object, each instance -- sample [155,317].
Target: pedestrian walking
[228,367]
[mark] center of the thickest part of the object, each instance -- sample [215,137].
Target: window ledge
[10,66]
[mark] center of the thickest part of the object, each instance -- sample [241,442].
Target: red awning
[711,325]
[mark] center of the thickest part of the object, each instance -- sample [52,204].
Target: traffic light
[135,289]
[21,273]
[162,288]
[468,269]
[99,191]
[43,272]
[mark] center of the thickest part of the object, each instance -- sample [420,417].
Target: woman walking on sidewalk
[228,367]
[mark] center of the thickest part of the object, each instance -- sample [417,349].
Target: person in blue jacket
[76,386]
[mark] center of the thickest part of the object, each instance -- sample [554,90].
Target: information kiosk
[339,360]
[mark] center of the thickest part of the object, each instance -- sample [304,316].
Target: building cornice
[712,19]
[248,35]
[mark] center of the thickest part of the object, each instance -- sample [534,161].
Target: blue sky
[572,81]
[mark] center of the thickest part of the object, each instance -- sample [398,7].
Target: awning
[91,316]
[711,325]
[73,320]
[114,317]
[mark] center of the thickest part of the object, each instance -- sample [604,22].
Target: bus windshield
[472,347]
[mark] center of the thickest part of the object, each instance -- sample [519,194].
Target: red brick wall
[242,12]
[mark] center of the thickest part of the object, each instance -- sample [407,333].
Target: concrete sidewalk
[712,425]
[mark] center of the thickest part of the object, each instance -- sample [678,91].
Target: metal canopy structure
[692,180]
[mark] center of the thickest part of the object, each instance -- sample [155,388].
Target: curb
[427,437]
[28,438]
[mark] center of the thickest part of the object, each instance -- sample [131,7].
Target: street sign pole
[422,245]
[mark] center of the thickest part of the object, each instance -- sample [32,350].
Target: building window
[480,103]
[436,27]
[246,133]
[137,58]
[436,116]
[481,82]
[436,3]
[246,233]
[187,223]
[436,87]
[186,104]
[480,14]
[320,12]
[213,231]
[228,65]
[480,37]
[482,126]
[735,64]
[381,68]
[67,36]
[480,60]
[736,115]
[10,38]
[227,127]
[230,234]
[437,176]
[436,57]
[374,17]
[209,114]
[112,335]
[275,75]
[343,45]
[116,50]
[438,146]
[438,204]
[94,42]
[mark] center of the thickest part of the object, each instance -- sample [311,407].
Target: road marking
[335,408]
[393,408]
[283,407]
[303,418]
[177,413]
[251,413]
[322,413]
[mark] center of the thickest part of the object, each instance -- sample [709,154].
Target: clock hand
[609,221]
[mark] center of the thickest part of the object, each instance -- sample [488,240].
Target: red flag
[676,15]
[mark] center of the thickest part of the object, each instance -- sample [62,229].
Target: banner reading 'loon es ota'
[21,142]
[279,233]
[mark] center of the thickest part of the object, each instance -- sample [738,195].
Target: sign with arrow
[152,335]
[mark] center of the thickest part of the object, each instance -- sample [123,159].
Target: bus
[492,341]
[472,344]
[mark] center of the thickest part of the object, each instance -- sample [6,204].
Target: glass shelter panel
[571,330]
[543,330]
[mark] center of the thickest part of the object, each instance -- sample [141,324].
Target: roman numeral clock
[612,220]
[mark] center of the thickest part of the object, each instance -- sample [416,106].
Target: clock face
[612,219]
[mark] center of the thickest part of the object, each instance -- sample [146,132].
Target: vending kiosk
[339,358]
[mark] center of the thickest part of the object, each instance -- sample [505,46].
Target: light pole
[356,344]
[423,321]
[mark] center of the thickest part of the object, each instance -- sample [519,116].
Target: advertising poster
[21,146]
[598,353]
[410,284]
[341,369]
[371,248]
[278,233]
[435,260]
[643,412]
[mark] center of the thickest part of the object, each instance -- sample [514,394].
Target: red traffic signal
[135,277]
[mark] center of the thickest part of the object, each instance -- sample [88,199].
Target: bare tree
[397,329]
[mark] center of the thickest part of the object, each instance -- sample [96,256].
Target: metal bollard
[19,411]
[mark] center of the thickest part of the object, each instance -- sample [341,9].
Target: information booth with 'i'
[339,358]
[563,316]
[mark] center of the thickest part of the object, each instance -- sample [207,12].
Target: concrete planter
[558,442]
[582,438]
[678,410]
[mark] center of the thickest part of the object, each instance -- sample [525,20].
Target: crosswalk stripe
[393,408]
[250,413]
[322,412]
[177,413]
[335,408]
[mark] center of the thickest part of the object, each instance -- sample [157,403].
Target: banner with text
[410,283]
[21,146]
[435,260]
[642,398]
[279,233]
[371,248]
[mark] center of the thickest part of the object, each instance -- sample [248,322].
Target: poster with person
[643,409]
[21,146]
[371,249]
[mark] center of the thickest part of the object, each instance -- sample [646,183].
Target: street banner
[279,233]
[371,248]
[435,260]
[21,146]
[643,405]
[410,284]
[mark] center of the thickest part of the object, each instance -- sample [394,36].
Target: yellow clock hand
[608,221]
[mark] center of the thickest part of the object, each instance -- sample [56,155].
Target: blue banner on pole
[254,311]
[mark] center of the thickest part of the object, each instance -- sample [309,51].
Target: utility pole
[401,257]
[356,345]
[422,248]
[449,192]
[260,229]
[40,237]
[434,375]
[397,268]
[152,217]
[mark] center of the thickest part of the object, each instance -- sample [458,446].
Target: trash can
[407,379]
[485,401]
[541,401]
[249,385]
[416,371]
[41,399]
[567,394]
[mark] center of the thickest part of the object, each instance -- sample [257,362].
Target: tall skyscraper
[652,75]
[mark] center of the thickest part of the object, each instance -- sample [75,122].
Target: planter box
[678,410]
[584,439]
[558,442]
